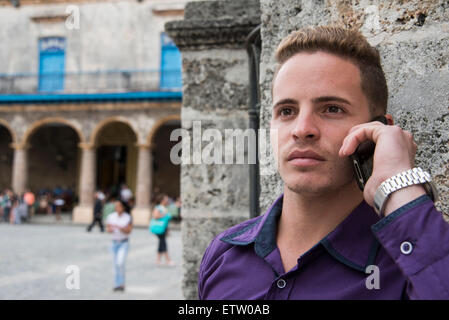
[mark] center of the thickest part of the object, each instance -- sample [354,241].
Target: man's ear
[390,119]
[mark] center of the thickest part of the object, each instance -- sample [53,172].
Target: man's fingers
[369,131]
[354,139]
[373,123]
[358,134]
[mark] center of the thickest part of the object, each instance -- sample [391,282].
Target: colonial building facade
[89,93]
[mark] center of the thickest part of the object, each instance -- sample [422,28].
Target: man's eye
[285,112]
[334,109]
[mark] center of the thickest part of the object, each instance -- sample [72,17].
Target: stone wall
[412,38]
[215,96]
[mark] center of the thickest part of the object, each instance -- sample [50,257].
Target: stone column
[20,168]
[83,213]
[141,212]
[214,195]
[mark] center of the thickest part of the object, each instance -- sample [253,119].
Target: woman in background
[159,211]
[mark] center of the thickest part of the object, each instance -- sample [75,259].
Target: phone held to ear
[362,158]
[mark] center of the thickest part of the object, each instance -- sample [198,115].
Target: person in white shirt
[119,223]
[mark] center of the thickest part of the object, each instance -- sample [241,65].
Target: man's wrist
[405,187]
[403,196]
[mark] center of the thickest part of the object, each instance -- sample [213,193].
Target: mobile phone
[362,158]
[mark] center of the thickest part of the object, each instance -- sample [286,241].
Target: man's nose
[305,127]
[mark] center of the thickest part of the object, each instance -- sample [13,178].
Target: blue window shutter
[171,64]
[51,64]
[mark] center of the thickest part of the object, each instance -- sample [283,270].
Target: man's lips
[305,155]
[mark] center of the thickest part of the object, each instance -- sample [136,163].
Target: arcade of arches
[55,154]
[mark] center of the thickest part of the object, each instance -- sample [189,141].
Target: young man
[322,238]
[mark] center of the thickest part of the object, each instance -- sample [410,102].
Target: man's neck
[308,218]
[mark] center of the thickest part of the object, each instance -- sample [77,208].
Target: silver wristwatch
[402,180]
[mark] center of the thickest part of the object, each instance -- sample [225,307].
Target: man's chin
[318,186]
[308,189]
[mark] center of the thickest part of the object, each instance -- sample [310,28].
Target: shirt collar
[263,229]
[351,242]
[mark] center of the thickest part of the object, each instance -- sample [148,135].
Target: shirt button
[281,283]
[406,247]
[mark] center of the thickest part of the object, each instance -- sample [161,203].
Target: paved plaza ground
[34,257]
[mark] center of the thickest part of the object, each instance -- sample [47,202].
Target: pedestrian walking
[119,223]
[159,226]
[98,212]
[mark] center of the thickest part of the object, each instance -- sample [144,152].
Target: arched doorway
[6,157]
[116,157]
[166,174]
[53,167]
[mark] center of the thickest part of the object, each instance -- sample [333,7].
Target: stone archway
[165,174]
[20,162]
[51,146]
[7,140]
[51,120]
[116,155]
[12,133]
[102,124]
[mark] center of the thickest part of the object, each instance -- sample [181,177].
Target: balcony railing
[111,81]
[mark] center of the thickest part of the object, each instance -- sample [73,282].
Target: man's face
[317,98]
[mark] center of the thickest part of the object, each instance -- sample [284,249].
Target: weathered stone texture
[215,93]
[215,81]
[215,187]
[215,24]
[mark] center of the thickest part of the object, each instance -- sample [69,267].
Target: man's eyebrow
[330,98]
[285,101]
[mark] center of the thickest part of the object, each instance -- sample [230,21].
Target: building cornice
[214,25]
[30,108]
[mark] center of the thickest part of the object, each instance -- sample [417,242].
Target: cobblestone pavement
[34,258]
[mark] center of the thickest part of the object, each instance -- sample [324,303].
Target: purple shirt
[410,248]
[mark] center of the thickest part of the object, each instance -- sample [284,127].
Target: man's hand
[395,152]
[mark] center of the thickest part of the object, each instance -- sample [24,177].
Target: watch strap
[401,180]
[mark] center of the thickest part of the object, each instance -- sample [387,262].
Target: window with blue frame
[171,65]
[51,64]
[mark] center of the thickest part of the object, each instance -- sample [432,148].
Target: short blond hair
[345,43]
